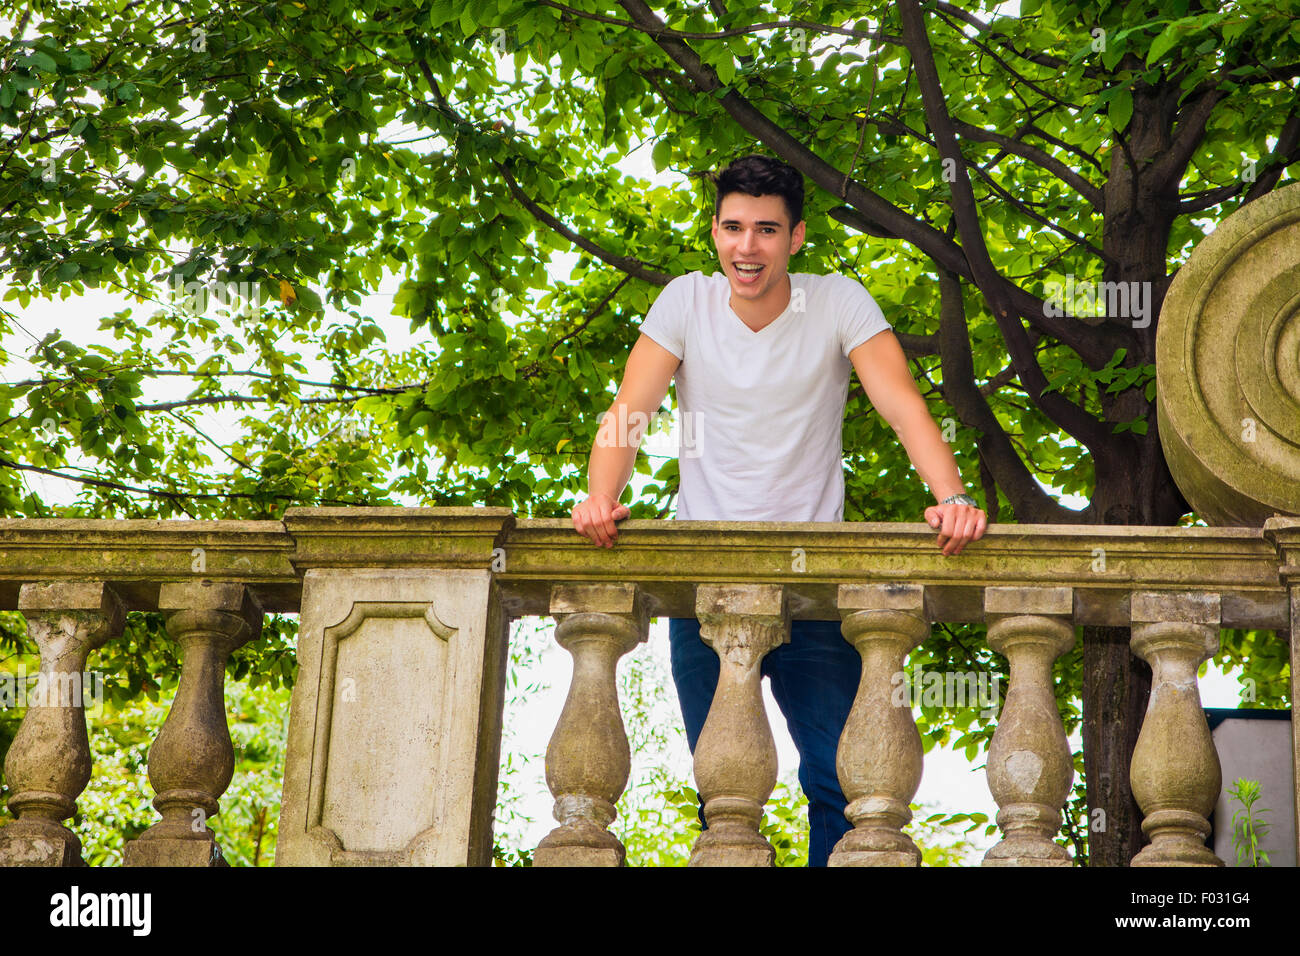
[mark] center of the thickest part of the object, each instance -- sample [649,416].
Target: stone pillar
[192,761]
[735,757]
[1030,767]
[588,760]
[1284,533]
[395,722]
[880,755]
[1175,770]
[48,763]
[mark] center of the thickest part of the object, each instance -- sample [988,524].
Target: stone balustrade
[395,719]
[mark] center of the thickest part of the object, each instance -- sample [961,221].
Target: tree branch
[1068,416]
[1283,155]
[1037,156]
[1029,501]
[1004,377]
[1094,345]
[1042,59]
[1013,72]
[1062,144]
[239,400]
[1188,133]
[213,442]
[531,371]
[158,492]
[629,264]
[1039,218]
[918,345]
[662,30]
[148,372]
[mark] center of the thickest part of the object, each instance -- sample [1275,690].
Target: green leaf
[149,158]
[1235,29]
[1114,52]
[661,155]
[43,61]
[1165,42]
[1121,109]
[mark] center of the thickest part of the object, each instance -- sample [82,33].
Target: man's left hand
[958,525]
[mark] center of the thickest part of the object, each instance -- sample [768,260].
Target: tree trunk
[1133,482]
[1115,690]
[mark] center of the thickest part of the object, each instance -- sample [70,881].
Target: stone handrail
[395,719]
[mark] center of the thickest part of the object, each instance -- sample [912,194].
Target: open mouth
[748,272]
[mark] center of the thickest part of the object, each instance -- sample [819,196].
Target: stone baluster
[588,760]
[1175,771]
[192,761]
[1030,767]
[880,756]
[49,763]
[735,756]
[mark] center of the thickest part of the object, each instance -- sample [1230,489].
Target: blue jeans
[814,680]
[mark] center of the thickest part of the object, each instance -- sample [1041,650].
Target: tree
[968,167]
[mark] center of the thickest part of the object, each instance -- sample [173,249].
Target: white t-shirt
[765,410]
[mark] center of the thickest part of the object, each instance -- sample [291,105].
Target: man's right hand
[594,519]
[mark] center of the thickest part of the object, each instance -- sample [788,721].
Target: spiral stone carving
[1228,366]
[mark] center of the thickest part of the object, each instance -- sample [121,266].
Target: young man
[762,361]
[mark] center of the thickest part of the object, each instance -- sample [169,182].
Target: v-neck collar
[780,318]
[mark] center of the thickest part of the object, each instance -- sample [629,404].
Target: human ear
[797,236]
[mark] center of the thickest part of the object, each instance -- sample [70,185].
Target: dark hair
[756,175]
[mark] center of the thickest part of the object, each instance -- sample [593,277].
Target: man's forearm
[613,457]
[932,457]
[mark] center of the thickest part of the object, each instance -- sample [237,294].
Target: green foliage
[1247,829]
[287,177]
[116,805]
[528,637]
[942,837]
[937,841]
[1078,820]
[1263,665]
[248,824]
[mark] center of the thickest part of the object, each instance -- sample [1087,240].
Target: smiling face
[755,242]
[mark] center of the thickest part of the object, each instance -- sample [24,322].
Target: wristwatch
[960,500]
